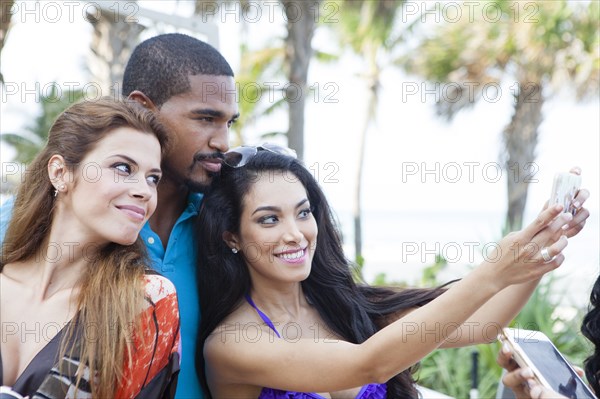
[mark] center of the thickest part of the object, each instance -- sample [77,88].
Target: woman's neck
[62,259]
[54,277]
[43,277]
[288,300]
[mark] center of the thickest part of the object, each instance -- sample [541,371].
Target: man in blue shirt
[190,86]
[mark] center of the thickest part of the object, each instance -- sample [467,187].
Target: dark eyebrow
[213,113]
[132,161]
[301,202]
[276,208]
[266,208]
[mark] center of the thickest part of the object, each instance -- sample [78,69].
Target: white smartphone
[564,190]
[533,349]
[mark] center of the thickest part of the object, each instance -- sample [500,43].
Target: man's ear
[58,172]
[231,240]
[143,99]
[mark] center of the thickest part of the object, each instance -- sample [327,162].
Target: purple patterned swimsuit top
[370,391]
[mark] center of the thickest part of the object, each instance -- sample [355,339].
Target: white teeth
[292,256]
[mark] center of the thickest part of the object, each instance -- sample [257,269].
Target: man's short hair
[160,66]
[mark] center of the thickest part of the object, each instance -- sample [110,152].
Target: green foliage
[253,101]
[381,279]
[364,23]
[552,43]
[357,270]
[31,141]
[449,370]
[544,313]
[430,273]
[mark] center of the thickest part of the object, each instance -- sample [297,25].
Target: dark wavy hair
[353,311]
[591,330]
[160,66]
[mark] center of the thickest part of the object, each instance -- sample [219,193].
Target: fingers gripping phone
[564,190]
[533,349]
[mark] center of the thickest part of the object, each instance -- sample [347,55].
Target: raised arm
[486,322]
[316,366]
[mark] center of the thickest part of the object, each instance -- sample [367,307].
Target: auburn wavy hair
[111,291]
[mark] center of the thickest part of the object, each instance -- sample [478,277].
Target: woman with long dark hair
[590,328]
[282,316]
[83,315]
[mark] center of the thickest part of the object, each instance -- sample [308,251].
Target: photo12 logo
[69,11]
[454,172]
[251,12]
[453,11]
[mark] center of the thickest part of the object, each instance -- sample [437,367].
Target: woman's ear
[58,173]
[142,99]
[231,241]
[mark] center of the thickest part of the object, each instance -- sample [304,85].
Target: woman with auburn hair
[282,316]
[82,315]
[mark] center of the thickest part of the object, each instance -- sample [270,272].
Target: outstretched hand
[528,254]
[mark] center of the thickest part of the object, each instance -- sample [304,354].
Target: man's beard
[201,187]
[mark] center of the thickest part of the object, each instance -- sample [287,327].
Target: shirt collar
[194,202]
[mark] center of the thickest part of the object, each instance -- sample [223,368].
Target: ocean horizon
[401,244]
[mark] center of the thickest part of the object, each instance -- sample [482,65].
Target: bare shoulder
[17,273]
[241,334]
[231,331]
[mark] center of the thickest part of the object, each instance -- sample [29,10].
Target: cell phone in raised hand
[564,190]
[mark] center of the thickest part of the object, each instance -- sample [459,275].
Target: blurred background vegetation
[451,370]
[545,47]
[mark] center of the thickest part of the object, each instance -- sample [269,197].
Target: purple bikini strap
[262,315]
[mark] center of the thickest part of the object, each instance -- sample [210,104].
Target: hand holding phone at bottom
[525,386]
[522,381]
[539,392]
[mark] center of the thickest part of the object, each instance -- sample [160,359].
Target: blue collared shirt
[178,263]
[5,214]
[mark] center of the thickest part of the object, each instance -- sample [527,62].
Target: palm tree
[298,54]
[5,17]
[115,36]
[30,142]
[292,57]
[365,26]
[256,68]
[255,65]
[542,45]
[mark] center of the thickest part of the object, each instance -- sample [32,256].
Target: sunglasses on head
[240,156]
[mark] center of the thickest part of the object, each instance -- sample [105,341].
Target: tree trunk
[298,52]
[114,39]
[5,17]
[520,139]
[372,100]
